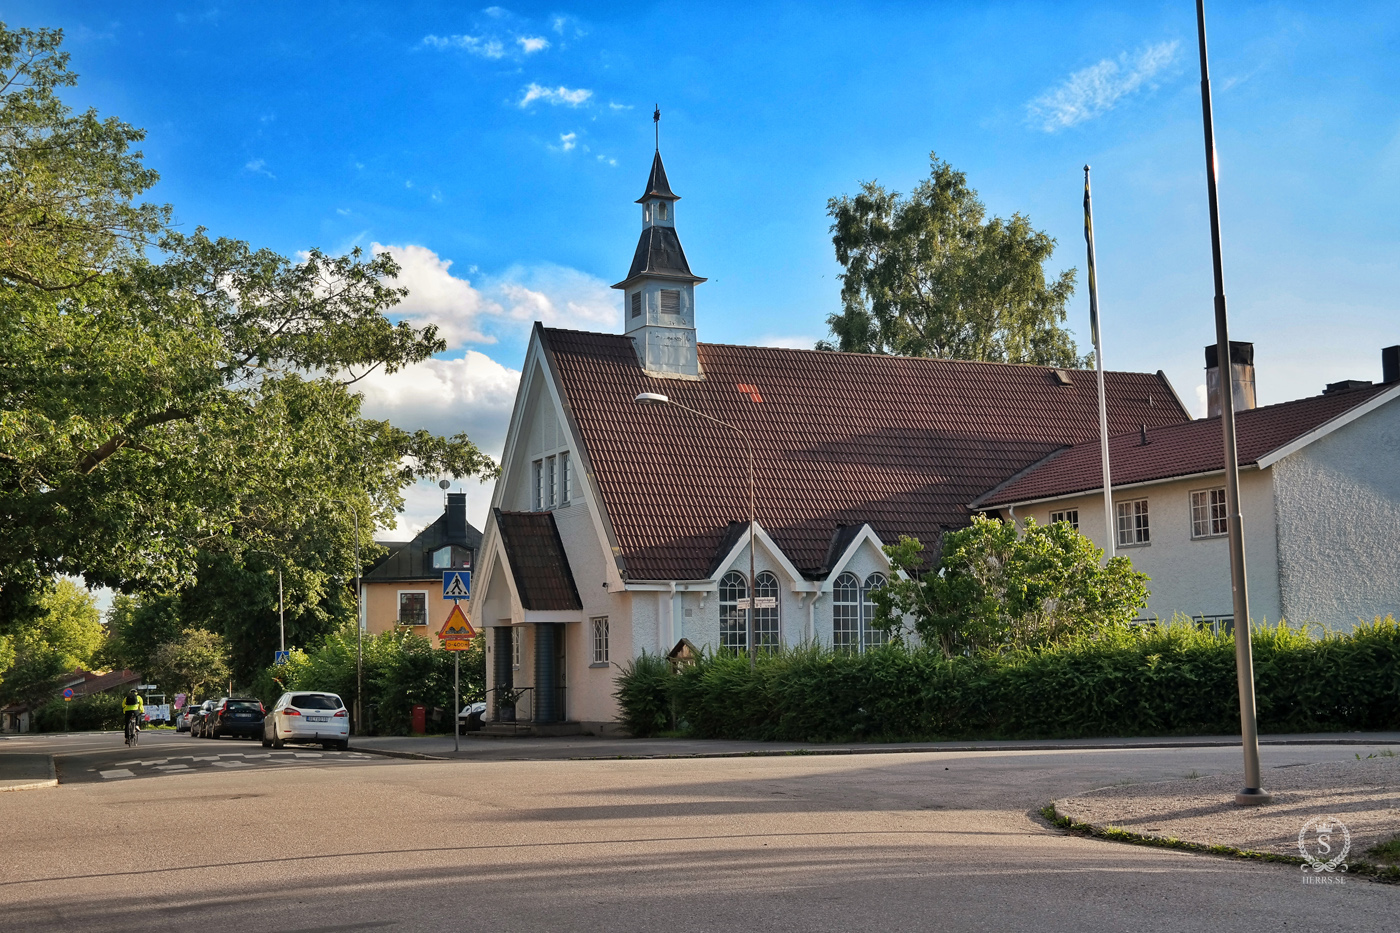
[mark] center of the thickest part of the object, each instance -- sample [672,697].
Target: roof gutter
[1118,488]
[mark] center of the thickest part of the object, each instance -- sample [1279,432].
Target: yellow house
[404,588]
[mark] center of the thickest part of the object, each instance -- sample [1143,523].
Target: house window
[452,557]
[1132,523]
[551,481]
[661,210]
[565,479]
[537,485]
[766,631]
[1208,513]
[670,301]
[1221,625]
[636,304]
[733,622]
[870,635]
[845,612]
[600,640]
[413,607]
[1068,516]
[515,648]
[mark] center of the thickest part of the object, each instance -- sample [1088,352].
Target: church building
[619,527]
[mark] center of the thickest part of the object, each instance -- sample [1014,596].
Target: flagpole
[1110,534]
[1253,792]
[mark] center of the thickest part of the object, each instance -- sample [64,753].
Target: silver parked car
[307,716]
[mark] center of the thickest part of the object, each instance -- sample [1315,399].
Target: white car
[307,716]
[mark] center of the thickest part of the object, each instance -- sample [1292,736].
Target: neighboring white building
[619,528]
[1319,497]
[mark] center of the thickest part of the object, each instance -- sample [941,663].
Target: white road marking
[230,764]
[172,767]
[116,773]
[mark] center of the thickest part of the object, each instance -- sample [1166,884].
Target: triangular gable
[763,541]
[866,535]
[1321,431]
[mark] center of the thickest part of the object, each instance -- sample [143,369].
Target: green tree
[929,275]
[157,417]
[997,590]
[65,635]
[198,659]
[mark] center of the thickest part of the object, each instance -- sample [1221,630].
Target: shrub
[644,694]
[94,713]
[1160,680]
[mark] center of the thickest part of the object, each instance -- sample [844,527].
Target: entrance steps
[498,730]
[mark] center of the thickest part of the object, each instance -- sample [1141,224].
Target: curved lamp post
[655,398]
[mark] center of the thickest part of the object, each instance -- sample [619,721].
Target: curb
[414,756]
[35,785]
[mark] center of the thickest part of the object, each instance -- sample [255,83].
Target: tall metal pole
[1253,792]
[359,626]
[281,615]
[456,700]
[1110,531]
[753,580]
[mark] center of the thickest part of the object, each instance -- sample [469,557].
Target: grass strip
[1387,874]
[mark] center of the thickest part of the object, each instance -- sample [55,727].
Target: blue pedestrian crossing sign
[457,584]
[280,657]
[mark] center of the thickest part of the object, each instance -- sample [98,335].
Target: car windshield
[315,701]
[244,704]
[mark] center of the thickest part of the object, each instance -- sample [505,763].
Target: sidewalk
[26,772]
[1363,794]
[476,748]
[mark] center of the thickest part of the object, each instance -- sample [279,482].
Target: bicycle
[133,731]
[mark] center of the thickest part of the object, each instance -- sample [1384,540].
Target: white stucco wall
[1338,507]
[1190,576]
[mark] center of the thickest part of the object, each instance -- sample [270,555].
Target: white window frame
[1069,516]
[551,482]
[1134,525]
[402,594]
[870,637]
[767,623]
[733,621]
[1210,513]
[600,641]
[517,635]
[845,613]
[565,478]
[537,485]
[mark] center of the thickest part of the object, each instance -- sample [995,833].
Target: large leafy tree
[64,634]
[999,589]
[169,401]
[930,275]
[198,659]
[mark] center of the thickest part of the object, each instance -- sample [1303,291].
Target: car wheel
[343,745]
[276,742]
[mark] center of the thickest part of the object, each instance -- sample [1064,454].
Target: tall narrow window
[515,648]
[600,640]
[1132,523]
[767,633]
[661,210]
[551,481]
[565,479]
[636,304]
[670,301]
[870,635]
[733,621]
[537,485]
[1208,513]
[845,612]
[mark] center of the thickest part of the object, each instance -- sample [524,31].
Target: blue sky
[497,152]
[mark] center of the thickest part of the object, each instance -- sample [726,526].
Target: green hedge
[1168,680]
[401,669]
[84,714]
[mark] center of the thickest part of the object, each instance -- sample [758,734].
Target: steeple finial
[656,120]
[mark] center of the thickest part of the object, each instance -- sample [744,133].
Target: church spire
[659,290]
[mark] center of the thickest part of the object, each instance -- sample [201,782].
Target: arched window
[871,636]
[733,621]
[767,634]
[845,612]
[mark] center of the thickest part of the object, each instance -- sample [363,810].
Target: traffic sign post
[457,584]
[280,657]
[68,693]
[456,634]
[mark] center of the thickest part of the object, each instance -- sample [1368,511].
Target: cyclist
[133,710]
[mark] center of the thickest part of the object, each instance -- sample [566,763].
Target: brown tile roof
[1176,450]
[537,560]
[839,439]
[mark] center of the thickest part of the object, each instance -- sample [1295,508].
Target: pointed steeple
[659,290]
[657,185]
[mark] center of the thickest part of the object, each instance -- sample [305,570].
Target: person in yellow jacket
[133,711]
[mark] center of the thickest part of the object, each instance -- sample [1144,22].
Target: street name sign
[759,602]
[457,584]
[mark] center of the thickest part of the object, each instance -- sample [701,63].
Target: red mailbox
[420,719]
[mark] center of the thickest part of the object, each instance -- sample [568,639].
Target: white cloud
[555,95]
[343,211]
[1202,401]
[607,160]
[788,342]
[1098,89]
[473,394]
[614,105]
[423,503]
[436,296]
[532,44]
[258,166]
[568,140]
[558,296]
[476,45]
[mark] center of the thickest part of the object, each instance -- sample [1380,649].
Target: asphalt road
[921,841]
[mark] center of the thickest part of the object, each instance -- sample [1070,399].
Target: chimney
[1390,365]
[1241,377]
[456,517]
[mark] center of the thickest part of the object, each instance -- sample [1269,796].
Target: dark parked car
[470,717]
[236,716]
[199,718]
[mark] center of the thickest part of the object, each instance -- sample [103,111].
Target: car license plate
[242,715]
[318,719]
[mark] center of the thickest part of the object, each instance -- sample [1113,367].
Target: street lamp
[655,398]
